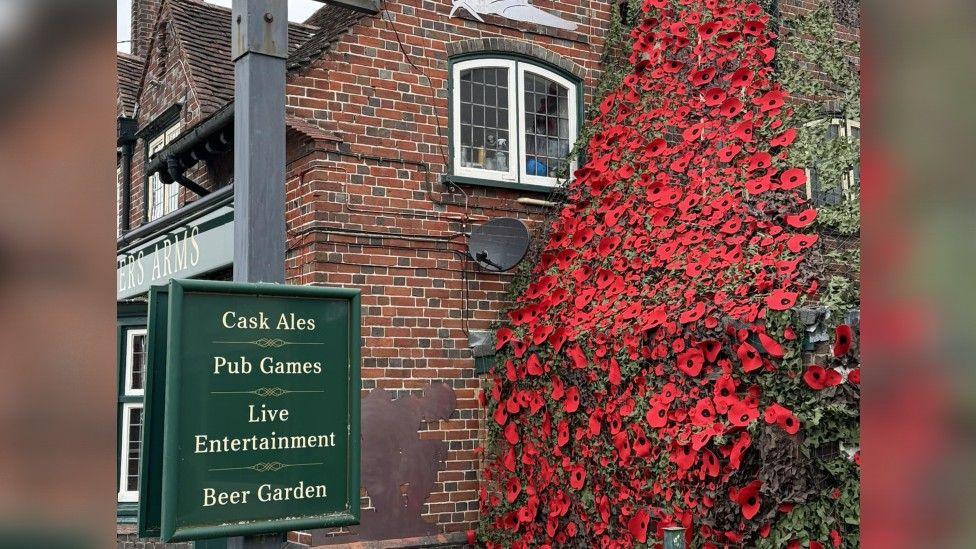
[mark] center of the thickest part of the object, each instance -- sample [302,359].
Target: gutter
[216,199]
[210,138]
[175,173]
[126,141]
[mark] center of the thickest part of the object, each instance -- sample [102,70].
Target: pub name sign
[258,413]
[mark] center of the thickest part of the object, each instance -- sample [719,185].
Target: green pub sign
[252,411]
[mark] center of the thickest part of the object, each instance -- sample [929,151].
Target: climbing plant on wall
[653,370]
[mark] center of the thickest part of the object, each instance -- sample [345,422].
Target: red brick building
[408,125]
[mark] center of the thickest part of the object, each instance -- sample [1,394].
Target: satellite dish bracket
[499,244]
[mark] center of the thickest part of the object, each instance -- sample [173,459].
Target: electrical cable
[430,85]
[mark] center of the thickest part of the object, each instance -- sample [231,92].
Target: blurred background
[57,141]
[919,216]
[57,340]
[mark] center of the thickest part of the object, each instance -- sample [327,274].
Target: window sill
[528,187]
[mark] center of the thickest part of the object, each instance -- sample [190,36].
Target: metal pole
[260,49]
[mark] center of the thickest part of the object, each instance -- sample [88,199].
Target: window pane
[138,360]
[824,195]
[484,119]
[133,424]
[172,197]
[546,126]
[162,199]
[155,197]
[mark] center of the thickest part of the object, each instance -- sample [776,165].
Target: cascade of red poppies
[627,399]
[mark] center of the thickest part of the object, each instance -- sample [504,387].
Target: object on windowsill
[536,167]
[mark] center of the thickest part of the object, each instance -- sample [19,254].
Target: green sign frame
[151,458]
[192,484]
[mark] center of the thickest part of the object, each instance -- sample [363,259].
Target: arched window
[514,123]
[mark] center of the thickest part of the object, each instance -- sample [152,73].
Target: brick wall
[366,207]
[847,22]
[369,211]
[143,16]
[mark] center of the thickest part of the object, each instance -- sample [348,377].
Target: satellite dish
[499,244]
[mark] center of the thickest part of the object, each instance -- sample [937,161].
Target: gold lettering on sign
[142,268]
[179,254]
[195,252]
[170,256]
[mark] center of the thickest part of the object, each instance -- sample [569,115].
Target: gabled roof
[129,71]
[204,33]
[331,20]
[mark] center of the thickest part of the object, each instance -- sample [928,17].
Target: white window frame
[516,112]
[484,63]
[130,337]
[124,495]
[850,180]
[844,131]
[573,122]
[170,201]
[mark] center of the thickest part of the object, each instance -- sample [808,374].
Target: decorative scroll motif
[263,467]
[516,10]
[272,343]
[263,392]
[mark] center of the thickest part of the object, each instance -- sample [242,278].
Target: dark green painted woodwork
[199,402]
[129,315]
[151,457]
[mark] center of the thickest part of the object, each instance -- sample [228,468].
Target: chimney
[143,19]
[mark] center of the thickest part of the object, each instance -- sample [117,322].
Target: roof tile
[204,33]
[129,70]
